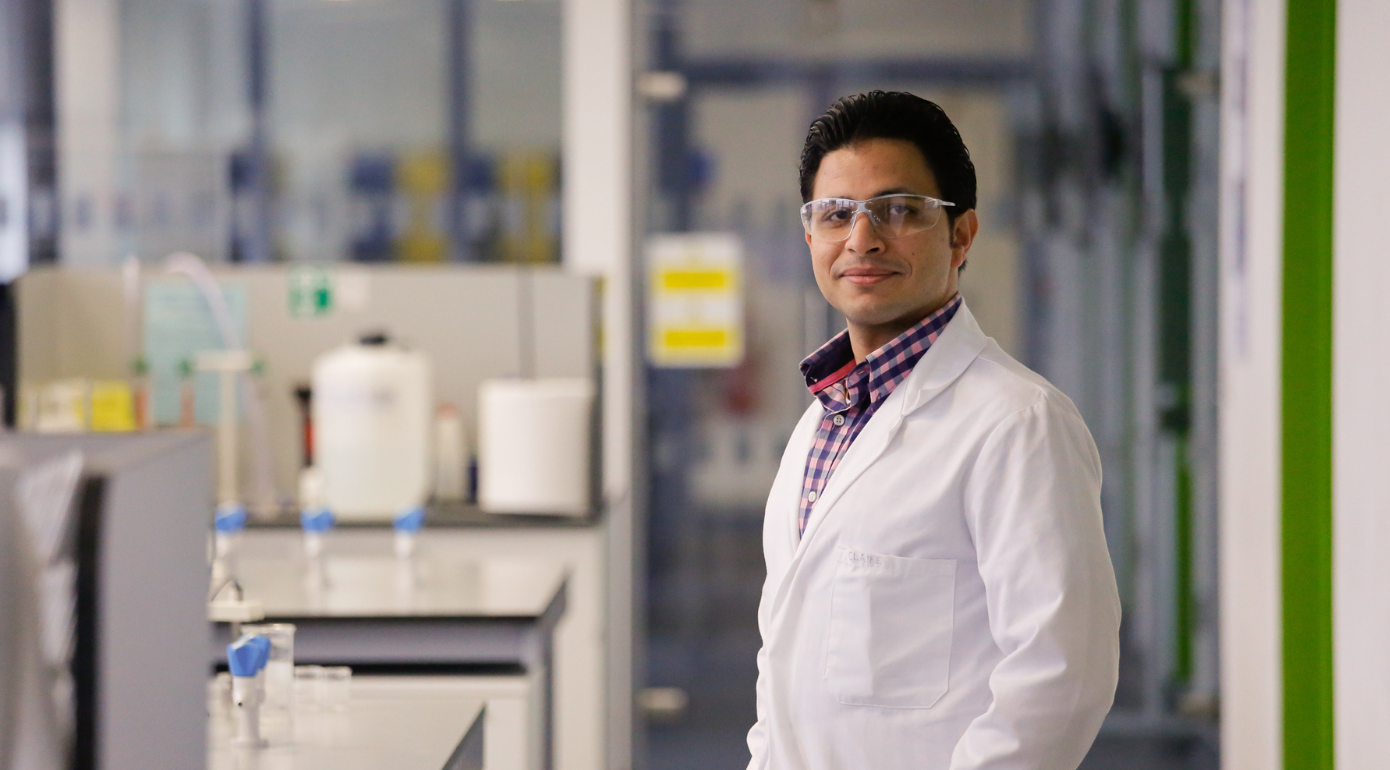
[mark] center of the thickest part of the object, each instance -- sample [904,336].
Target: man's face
[876,281]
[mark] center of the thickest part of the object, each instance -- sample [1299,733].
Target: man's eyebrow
[895,191]
[880,193]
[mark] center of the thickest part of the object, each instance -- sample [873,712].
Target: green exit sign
[310,292]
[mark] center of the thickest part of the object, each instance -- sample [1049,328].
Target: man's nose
[863,236]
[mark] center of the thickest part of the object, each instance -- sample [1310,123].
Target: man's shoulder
[1007,386]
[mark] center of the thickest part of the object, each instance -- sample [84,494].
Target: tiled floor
[719,677]
[688,748]
[1114,753]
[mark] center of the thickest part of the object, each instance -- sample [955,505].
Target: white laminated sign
[695,300]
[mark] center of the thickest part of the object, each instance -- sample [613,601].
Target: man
[939,595]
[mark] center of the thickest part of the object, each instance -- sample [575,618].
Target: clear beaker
[308,688]
[337,688]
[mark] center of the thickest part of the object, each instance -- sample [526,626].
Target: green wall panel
[1310,95]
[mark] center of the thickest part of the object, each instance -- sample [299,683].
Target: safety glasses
[893,216]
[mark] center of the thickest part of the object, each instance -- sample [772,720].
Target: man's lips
[866,276]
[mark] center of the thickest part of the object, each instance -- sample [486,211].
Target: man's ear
[963,232]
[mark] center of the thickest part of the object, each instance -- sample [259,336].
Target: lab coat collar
[959,345]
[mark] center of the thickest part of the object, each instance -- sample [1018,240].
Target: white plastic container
[534,446]
[450,456]
[373,413]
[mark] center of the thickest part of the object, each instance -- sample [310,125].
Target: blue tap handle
[316,519]
[230,519]
[410,520]
[248,655]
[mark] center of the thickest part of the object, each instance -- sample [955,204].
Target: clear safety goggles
[893,216]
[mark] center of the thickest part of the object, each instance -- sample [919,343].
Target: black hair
[894,115]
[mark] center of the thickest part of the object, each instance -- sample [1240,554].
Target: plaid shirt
[851,393]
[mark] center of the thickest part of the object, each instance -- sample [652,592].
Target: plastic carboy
[373,411]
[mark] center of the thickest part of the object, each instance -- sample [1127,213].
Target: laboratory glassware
[336,688]
[308,687]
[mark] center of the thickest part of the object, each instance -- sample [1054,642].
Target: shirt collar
[834,361]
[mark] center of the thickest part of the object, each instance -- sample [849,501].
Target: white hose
[195,270]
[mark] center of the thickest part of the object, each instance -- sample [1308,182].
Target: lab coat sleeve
[1032,503]
[757,736]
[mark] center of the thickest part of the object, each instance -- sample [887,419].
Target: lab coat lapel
[790,495]
[955,350]
[958,346]
[871,442]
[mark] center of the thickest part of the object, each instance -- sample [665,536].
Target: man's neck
[866,338]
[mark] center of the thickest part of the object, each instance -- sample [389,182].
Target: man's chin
[871,304]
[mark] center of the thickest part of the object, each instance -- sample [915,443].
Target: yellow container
[113,406]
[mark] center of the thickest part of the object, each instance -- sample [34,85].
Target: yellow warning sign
[695,302]
[696,280]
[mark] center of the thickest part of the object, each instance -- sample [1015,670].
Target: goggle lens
[893,216]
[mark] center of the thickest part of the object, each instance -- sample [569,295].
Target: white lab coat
[952,603]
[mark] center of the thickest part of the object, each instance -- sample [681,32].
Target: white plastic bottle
[373,413]
[450,456]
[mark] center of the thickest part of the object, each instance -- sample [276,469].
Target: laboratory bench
[450,515]
[444,609]
[404,723]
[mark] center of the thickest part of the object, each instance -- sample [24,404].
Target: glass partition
[358,108]
[182,114]
[313,130]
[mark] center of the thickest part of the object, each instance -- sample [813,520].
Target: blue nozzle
[231,518]
[410,521]
[248,655]
[316,519]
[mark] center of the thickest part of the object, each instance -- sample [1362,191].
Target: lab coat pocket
[889,641]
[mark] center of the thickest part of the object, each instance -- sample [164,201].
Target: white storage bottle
[373,412]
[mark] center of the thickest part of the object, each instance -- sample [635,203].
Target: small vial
[337,688]
[188,415]
[308,687]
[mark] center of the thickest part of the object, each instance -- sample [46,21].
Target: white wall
[1361,371]
[597,240]
[1251,248]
